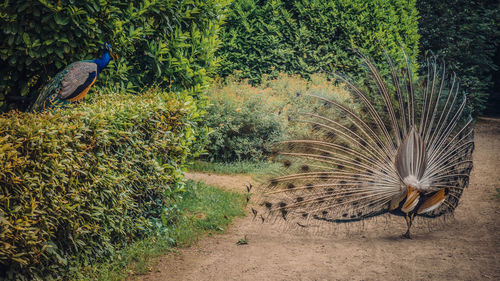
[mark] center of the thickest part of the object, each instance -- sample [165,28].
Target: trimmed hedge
[466,35]
[170,43]
[78,183]
[310,36]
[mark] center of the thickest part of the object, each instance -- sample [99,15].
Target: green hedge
[166,42]
[310,36]
[76,184]
[466,35]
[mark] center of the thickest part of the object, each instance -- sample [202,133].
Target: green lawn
[243,167]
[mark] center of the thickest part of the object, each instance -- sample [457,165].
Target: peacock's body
[73,82]
[409,155]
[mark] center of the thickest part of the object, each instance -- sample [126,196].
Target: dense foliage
[466,35]
[246,119]
[167,42]
[76,184]
[244,122]
[81,182]
[310,36]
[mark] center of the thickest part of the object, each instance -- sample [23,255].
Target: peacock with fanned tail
[410,154]
[73,83]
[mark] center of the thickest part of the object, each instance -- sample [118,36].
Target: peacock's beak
[113,55]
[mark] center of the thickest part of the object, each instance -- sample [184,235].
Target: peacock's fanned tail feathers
[353,161]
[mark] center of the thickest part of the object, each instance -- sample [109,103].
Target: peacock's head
[108,48]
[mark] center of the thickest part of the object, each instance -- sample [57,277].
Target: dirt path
[229,183]
[465,248]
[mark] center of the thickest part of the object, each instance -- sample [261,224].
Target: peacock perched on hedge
[404,148]
[74,82]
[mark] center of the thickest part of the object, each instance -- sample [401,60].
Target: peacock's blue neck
[103,61]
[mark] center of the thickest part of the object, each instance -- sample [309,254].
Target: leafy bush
[247,118]
[75,184]
[310,36]
[465,34]
[243,125]
[167,42]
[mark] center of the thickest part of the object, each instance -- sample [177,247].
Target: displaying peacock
[74,82]
[401,145]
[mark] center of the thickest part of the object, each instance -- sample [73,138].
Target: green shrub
[165,42]
[246,119]
[466,35]
[78,183]
[241,129]
[310,36]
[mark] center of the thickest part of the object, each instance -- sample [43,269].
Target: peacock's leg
[409,220]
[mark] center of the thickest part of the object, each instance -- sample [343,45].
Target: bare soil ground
[466,247]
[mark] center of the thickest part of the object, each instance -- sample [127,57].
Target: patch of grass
[204,209]
[242,241]
[243,167]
